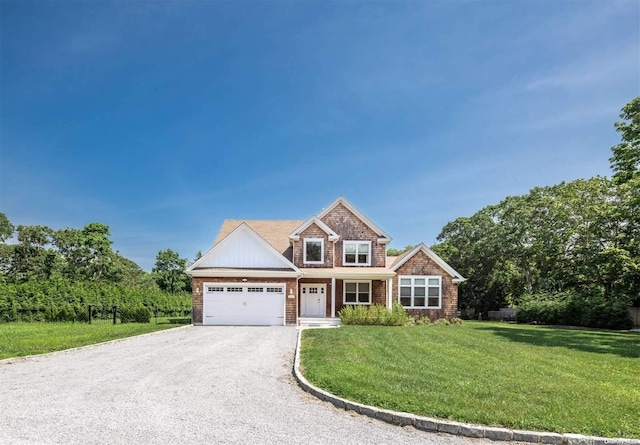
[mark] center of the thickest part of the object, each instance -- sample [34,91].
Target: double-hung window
[357,292]
[313,251]
[356,253]
[420,291]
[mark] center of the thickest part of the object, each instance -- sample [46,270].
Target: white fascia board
[295,235]
[431,254]
[248,273]
[346,275]
[244,227]
[364,218]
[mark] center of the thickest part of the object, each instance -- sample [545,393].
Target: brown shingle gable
[275,232]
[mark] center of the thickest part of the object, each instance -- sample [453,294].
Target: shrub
[442,322]
[65,313]
[49,300]
[374,315]
[456,321]
[423,321]
[136,314]
[575,309]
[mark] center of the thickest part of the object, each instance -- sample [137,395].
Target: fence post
[115,314]
[90,314]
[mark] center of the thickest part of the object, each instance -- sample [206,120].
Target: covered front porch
[322,292]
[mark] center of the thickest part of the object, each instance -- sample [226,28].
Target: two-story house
[276,272]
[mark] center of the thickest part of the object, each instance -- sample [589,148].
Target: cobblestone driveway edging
[446,426]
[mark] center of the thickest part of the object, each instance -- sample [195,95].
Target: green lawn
[517,376]
[20,339]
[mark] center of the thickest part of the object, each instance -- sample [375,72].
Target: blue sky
[161,119]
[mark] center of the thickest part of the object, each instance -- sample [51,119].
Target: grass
[516,376]
[20,339]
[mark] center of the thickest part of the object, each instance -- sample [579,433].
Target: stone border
[447,426]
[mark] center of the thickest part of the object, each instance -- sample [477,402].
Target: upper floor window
[421,291]
[357,253]
[313,251]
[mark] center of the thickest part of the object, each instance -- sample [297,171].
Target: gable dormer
[313,244]
[361,242]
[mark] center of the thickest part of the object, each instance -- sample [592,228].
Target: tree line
[48,274]
[566,253]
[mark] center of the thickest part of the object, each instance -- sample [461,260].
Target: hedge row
[61,300]
[570,309]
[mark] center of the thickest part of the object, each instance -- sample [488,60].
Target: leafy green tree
[625,161]
[6,228]
[6,250]
[396,252]
[578,236]
[32,257]
[87,253]
[169,272]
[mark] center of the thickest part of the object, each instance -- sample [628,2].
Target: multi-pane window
[357,292]
[420,291]
[357,253]
[313,251]
[215,289]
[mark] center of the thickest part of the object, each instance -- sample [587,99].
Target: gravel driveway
[186,385]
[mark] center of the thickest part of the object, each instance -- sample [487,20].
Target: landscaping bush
[575,309]
[136,314]
[374,315]
[442,322]
[63,300]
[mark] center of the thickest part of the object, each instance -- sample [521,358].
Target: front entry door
[314,300]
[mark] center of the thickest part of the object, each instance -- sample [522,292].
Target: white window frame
[304,250]
[357,283]
[426,286]
[357,243]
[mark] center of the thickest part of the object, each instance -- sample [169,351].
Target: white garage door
[244,304]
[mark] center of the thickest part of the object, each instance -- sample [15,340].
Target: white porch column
[333,297]
[389,296]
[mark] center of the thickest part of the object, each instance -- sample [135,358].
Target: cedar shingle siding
[350,228]
[421,264]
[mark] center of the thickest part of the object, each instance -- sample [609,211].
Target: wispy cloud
[592,69]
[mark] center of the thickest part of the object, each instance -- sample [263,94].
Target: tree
[87,253]
[396,252]
[31,257]
[6,228]
[169,272]
[625,161]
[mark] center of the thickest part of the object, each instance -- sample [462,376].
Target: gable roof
[295,235]
[400,260]
[384,236]
[243,248]
[275,232]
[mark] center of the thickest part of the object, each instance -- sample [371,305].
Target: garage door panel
[249,304]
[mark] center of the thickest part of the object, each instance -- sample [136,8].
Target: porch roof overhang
[229,272]
[349,273]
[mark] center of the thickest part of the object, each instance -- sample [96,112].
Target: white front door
[314,300]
